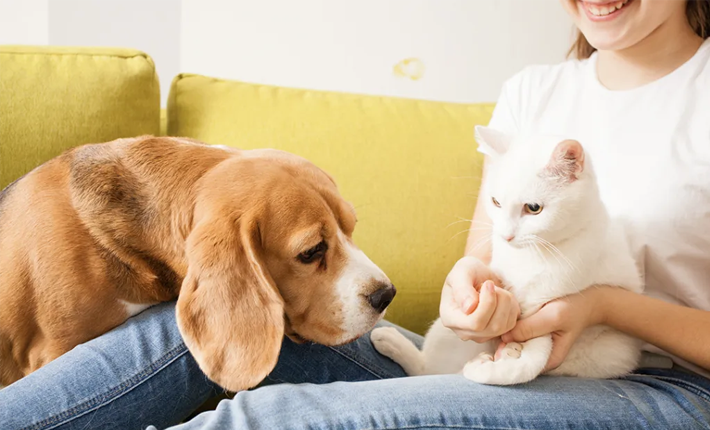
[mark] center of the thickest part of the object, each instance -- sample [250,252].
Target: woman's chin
[608,40]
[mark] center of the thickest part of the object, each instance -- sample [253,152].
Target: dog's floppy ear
[229,310]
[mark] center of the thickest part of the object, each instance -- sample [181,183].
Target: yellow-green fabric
[410,167]
[54,98]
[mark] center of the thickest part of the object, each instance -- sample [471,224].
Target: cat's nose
[509,238]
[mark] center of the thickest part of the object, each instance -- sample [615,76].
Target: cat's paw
[511,350]
[484,370]
[483,357]
[387,341]
[480,369]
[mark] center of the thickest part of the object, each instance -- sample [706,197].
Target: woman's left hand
[564,318]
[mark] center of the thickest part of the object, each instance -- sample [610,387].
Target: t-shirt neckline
[592,72]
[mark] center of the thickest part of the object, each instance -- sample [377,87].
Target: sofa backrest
[410,167]
[55,98]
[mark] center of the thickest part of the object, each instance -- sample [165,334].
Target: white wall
[153,26]
[462,50]
[467,47]
[24,22]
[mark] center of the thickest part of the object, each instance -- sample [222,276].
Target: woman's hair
[697,11]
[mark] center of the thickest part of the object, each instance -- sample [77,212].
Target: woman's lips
[604,11]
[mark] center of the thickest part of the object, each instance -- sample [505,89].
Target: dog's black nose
[382,298]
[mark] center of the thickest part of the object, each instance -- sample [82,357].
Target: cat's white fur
[582,247]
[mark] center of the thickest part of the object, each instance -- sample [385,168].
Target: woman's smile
[604,11]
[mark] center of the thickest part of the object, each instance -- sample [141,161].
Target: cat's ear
[567,161]
[492,142]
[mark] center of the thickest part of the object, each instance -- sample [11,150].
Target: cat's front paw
[387,341]
[511,350]
[480,369]
[483,357]
[484,370]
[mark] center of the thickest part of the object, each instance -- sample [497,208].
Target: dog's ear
[229,310]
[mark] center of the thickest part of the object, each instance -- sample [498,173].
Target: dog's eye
[533,208]
[313,254]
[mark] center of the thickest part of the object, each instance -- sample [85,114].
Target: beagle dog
[254,245]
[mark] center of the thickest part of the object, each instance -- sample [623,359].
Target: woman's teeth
[605,9]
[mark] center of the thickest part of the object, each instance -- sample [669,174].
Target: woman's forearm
[679,330]
[478,243]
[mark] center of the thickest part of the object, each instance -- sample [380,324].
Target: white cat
[551,237]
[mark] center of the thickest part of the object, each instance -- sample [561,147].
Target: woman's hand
[564,318]
[473,306]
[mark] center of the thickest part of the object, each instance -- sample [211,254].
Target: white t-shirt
[651,152]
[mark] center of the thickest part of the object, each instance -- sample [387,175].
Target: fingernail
[491,286]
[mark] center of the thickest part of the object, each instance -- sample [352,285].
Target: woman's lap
[452,402]
[141,373]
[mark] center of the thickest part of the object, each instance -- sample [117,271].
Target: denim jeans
[141,374]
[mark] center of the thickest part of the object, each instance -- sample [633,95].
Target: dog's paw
[387,341]
[511,350]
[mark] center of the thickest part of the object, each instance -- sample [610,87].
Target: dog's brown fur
[152,219]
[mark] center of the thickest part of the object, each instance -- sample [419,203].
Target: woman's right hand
[473,306]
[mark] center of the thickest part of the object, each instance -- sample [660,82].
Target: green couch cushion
[410,167]
[54,98]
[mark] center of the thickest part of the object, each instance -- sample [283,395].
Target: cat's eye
[313,254]
[533,208]
[495,202]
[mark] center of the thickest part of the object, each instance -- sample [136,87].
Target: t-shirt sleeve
[506,114]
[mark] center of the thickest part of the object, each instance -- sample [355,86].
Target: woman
[639,100]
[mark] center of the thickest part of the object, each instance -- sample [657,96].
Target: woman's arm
[679,330]
[478,243]
[473,308]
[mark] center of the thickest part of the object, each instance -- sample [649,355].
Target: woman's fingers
[538,324]
[506,306]
[487,301]
[452,316]
[561,345]
[496,313]
[462,279]
[499,351]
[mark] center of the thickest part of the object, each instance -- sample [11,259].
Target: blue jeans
[141,373]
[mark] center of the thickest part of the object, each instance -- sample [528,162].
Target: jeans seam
[113,394]
[353,359]
[695,389]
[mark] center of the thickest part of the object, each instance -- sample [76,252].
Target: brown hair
[697,11]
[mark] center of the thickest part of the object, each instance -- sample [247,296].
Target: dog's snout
[382,298]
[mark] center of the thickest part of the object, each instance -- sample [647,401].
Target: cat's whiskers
[475,221]
[458,234]
[481,242]
[472,221]
[547,245]
[533,245]
[458,222]
[559,252]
